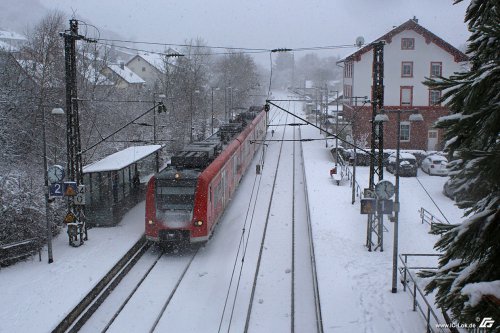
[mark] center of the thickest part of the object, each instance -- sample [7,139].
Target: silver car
[435,165]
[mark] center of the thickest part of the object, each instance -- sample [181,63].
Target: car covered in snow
[407,164]
[435,165]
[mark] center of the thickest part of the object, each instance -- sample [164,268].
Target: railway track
[300,272]
[161,286]
[82,317]
[77,317]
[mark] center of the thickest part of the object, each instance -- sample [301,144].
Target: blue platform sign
[70,189]
[56,190]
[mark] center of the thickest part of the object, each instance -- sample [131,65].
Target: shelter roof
[121,159]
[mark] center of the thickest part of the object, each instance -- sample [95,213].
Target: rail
[429,218]
[77,317]
[420,302]
[350,177]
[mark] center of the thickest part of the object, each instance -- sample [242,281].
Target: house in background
[123,77]
[411,54]
[151,67]
[11,41]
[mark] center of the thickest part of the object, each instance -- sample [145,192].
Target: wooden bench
[13,252]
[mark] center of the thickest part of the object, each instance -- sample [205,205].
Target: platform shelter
[117,183]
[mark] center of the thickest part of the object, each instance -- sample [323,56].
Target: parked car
[435,165]
[407,164]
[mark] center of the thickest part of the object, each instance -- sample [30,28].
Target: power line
[245,50]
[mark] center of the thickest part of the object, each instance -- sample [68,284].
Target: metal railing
[429,218]
[420,302]
[347,171]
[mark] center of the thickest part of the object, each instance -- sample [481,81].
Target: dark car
[407,164]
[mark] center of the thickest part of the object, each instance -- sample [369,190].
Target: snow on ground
[355,284]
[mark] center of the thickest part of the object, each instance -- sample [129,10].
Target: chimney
[415,19]
[122,65]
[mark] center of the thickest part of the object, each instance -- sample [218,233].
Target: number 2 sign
[56,190]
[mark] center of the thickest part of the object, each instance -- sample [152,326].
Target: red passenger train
[185,200]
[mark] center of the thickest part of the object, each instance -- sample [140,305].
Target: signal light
[267,108]
[198,223]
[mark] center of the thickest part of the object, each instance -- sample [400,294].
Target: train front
[170,204]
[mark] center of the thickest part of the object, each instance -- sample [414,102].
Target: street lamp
[382,117]
[55,111]
[212,122]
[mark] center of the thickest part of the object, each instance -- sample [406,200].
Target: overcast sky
[267,23]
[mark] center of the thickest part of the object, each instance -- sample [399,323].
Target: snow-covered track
[285,283]
[167,302]
[91,302]
[317,300]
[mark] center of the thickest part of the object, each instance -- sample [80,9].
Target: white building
[411,54]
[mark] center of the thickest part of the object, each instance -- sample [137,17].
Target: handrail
[416,291]
[345,169]
[429,218]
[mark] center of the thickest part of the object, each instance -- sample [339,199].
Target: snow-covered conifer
[468,278]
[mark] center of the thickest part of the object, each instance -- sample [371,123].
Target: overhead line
[239,49]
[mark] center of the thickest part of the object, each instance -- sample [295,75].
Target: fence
[420,302]
[346,170]
[16,251]
[429,218]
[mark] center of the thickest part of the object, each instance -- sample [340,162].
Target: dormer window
[407,43]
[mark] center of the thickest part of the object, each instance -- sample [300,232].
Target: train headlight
[198,223]
[150,222]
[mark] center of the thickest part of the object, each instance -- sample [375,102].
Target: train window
[177,198]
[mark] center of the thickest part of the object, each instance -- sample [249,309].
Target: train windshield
[175,197]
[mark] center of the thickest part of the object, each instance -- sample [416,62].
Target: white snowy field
[355,285]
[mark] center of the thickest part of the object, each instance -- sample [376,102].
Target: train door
[236,175]
[224,187]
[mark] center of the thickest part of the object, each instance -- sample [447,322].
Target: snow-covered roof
[11,35]
[35,70]
[403,155]
[126,74]
[121,159]
[157,60]
[92,75]
[7,47]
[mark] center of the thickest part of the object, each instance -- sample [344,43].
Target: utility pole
[375,223]
[377,139]
[73,142]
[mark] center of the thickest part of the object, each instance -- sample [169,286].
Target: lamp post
[382,117]
[55,111]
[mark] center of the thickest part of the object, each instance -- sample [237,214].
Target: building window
[436,69]
[348,93]
[404,129]
[348,69]
[407,69]
[406,96]
[434,97]
[407,43]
